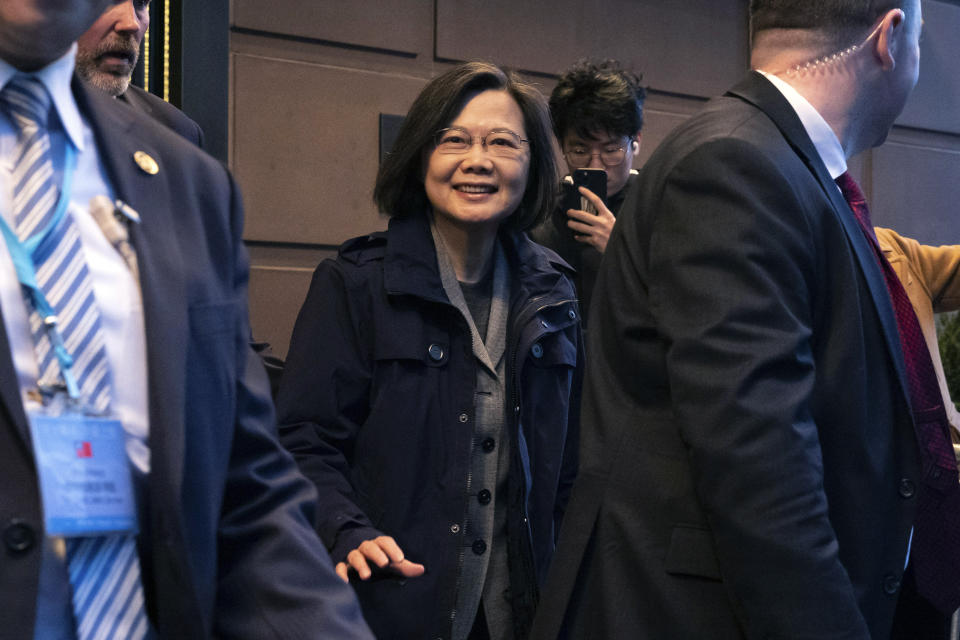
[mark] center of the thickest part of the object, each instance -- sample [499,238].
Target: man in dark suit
[749,467]
[107,54]
[225,545]
[106,57]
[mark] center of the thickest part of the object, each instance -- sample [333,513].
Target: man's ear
[635,144]
[889,32]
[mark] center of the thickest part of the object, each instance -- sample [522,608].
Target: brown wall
[309,81]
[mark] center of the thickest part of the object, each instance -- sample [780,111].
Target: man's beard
[88,64]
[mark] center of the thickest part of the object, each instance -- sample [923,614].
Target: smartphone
[593,179]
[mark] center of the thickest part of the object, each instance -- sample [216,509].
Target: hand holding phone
[593,179]
[587,215]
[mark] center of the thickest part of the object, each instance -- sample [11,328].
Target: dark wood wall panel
[935,103]
[306,147]
[279,279]
[694,47]
[398,25]
[915,190]
[276,295]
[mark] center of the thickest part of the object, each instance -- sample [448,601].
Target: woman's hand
[384,553]
[589,228]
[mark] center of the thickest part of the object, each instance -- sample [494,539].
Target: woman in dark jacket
[432,387]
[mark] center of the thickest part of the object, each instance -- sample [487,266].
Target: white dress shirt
[824,139]
[115,289]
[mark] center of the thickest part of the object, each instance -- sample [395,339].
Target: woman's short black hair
[399,190]
[596,98]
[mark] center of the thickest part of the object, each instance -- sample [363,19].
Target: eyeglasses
[579,157]
[499,142]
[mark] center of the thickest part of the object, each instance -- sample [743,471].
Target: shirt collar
[822,136]
[56,77]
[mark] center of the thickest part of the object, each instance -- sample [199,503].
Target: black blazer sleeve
[733,268]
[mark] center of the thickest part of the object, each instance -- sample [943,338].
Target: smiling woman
[432,384]
[476,175]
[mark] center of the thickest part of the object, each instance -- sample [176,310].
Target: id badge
[85,478]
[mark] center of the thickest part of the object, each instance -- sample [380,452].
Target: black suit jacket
[163,112]
[226,544]
[748,461]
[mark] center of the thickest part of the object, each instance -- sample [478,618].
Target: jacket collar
[760,92]
[410,263]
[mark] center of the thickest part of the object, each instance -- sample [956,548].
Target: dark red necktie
[935,550]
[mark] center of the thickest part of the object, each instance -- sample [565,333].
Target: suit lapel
[758,91]
[133,98]
[161,276]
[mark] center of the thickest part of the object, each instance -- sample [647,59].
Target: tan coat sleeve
[935,269]
[931,277]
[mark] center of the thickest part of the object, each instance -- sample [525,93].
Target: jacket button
[436,352]
[454,528]
[463,417]
[572,314]
[891,584]
[484,497]
[479,546]
[488,445]
[19,537]
[907,488]
[536,350]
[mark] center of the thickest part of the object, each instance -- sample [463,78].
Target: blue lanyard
[23,254]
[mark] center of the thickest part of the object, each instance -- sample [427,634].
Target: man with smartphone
[597,111]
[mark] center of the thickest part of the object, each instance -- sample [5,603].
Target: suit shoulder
[164,113]
[728,137]
[726,121]
[114,116]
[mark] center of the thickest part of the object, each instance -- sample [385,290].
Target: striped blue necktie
[105,570]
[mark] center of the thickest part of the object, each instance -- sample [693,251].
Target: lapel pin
[146,163]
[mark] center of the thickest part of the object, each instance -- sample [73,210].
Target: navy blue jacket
[376,405]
